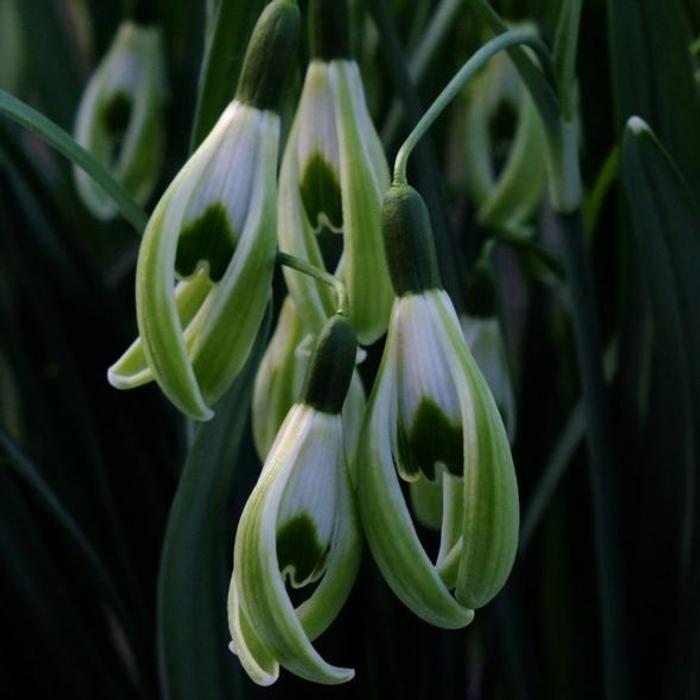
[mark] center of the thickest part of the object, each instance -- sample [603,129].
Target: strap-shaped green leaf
[652,75]
[194,571]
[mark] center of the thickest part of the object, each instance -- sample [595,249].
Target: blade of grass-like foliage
[79,655]
[666,229]
[653,76]
[53,57]
[565,49]
[228,30]
[59,139]
[197,555]
[29,474]
[562,454]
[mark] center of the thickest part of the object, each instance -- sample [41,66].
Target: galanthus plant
[337,355]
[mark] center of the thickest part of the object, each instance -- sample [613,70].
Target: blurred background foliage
[89,476]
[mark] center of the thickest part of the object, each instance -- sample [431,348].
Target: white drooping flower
[431,413]
[299,527]
[333,178]
[205,265]
[498,148]
[120,117]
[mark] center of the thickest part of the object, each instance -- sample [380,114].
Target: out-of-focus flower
[214,230]
[499,148]
[333,178]
[432,409]
[299,526]
[120,117]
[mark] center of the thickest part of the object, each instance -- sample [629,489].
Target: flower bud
[333,178]
[120,117]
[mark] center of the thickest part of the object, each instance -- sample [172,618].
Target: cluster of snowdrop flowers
[333,462]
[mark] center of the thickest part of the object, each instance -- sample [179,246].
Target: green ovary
[299,550]
[433,438]
[320,193]
[209,238]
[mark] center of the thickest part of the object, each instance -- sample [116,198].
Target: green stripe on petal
[254,656]
[364,182]
[158,321]
[238,302]
[131,369]
[314,301]
[322,607]
[385,518]
[491,509]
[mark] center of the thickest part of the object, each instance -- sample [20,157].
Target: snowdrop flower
[299,526]
[280,378]
[431,410]
[214,231]
[120,117]
[333,178]
[499,148]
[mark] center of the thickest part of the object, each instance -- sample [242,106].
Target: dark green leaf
[198,554]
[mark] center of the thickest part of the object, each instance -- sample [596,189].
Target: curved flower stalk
[279,383]
[333,177]
[506,172]
[430,410]
[214,230]
[120,117]
[299,526]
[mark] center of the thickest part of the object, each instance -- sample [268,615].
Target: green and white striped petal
[120,117]
[491,513]
[131,370]
[304,480]
[386,521]
[334,175]
[429,425]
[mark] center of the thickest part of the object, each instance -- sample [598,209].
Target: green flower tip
[269,56]
[408,239]
[329,35]
[331,367]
